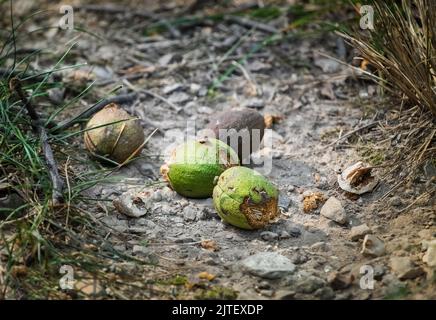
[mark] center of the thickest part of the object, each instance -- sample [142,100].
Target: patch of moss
[373,156]
[177,280]
[216,293]
[398,293]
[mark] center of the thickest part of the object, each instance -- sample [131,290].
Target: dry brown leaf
[19,271]
[139,69]
[364,64]
[313,201]
[270,119]
[210,245]
[80,76]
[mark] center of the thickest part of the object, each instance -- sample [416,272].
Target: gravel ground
[301,255]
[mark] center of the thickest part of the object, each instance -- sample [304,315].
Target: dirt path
[318,99]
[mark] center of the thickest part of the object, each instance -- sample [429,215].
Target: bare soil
[317,100]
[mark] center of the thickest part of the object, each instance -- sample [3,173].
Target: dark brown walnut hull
[242,129]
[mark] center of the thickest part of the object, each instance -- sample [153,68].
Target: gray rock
[325,293]
[179,97]
[165,59]
[284,201]
[207,214]
[372,246]
[254,103]
[294,232]
[171,88]
[319,246]
[299,258]
[269,236]
[189,214]
[339,281]
[56,95]
[379,272]
[146,169]
[285,295]
[430,169]
[146,253]
[10,202]
[268,265]
[393,287]
[142,222]
[211,261]
[178,220]
[359,232]
[310,284]
[194,88]
[184,240]
[396,201]
[267,293]
[430,255]
[167,194]
[205,110]
[120,228]
[264,285]
[139,230]
[333,210]
[167,209]
[103,73]
[202,92]
[157,196]
[327,65]
[404,268]
[284,235]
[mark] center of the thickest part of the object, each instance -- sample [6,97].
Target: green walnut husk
[193,166]
[245,199]
[116,136]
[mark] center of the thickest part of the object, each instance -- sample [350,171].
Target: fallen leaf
[19,271]
[80,76]
[313,201]
[139,69]
[210,245]
[271,119]
[364,64]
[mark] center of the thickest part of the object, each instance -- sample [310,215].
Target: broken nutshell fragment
[113,134]
[193,166]
[357,179]
[245,198]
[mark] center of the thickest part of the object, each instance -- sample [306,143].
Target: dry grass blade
[402,46]
[402,49]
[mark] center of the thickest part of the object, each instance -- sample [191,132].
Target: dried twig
[38,127]
[113,9]
[369,125]
[252,24]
